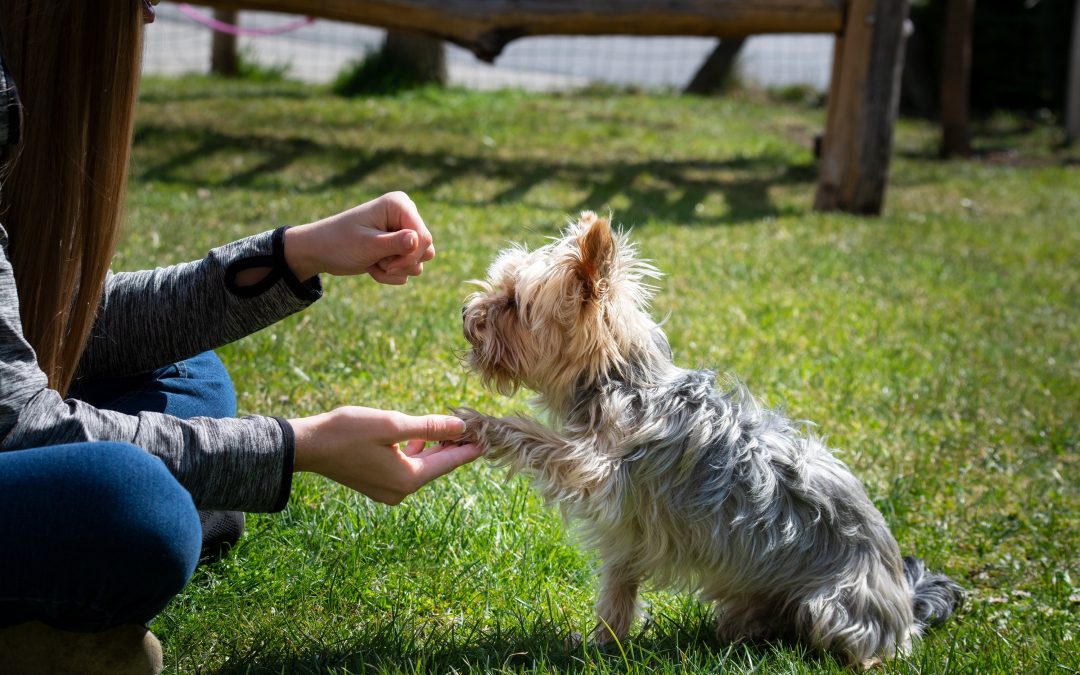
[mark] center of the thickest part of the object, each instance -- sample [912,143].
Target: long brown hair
[76,66]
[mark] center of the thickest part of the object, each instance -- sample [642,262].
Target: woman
[116,421]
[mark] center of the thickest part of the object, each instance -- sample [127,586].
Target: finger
[433,448]
[415,447]
[440,447]
[398,265]
[431,427]
[445,460]
[411,271]
[428,254]
[393,278]
[408,218]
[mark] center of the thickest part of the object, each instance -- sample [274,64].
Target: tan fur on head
[597,253]
[553,318]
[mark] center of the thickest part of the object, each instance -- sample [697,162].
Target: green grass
[937,347]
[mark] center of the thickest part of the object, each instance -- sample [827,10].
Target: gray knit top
[147,320]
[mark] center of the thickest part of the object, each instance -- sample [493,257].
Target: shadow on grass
[673,189]
[209,87]
[1016,141]
[543,646]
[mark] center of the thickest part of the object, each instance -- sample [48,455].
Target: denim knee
[95,535]
[149,519]
[218,396]
[195,387]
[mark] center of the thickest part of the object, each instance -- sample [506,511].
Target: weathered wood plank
[863,101]
[486,26]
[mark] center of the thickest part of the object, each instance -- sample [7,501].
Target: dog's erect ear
[597,252]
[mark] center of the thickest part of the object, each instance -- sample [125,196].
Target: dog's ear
[597,253]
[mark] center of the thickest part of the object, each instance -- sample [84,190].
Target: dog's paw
[603,639]
[573,641]
[475,425]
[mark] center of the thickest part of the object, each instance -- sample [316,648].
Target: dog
[673,480]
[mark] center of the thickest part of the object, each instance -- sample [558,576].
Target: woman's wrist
[305,432]
[300,251]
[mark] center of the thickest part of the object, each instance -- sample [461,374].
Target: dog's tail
[934,597]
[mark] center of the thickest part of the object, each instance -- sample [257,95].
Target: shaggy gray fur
[674,480]
[934,596]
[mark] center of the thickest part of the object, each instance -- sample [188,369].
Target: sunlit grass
[936,347]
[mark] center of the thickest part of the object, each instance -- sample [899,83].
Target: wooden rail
[486,26]
[863,96]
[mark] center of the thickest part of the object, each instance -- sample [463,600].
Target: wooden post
[956,79]
[425,56]
[863,101]
[1072,91]
[223,56]
[713,74]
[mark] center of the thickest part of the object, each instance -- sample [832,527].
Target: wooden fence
[863,94]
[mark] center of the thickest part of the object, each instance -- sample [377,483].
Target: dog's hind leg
[863,627]
[616,606]
[748,618]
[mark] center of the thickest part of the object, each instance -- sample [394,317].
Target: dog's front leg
[564,467]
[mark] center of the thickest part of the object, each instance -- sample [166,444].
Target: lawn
[937,347]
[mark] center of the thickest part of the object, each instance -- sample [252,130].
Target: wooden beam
[486,26]
[956,79]
[864,97]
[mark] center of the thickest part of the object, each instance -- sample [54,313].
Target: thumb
[404,241]
[432,427]
[394,244]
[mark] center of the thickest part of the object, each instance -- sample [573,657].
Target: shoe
[220,531]
[33,648]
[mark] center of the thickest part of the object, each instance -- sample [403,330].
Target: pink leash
[222,27]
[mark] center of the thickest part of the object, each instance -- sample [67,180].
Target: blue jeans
[96,535]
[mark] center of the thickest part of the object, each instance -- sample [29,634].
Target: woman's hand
[385,238]
[359,448]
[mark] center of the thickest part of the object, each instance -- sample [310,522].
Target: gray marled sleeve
[243,464]
[152,318]
[238,464]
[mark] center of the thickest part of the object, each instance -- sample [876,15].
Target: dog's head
[558,317]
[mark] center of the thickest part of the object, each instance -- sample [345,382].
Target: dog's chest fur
[699,478]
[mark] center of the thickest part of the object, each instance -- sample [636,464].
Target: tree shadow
[543,644]
[675,189]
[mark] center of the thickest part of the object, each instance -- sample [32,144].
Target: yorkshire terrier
[673,480]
